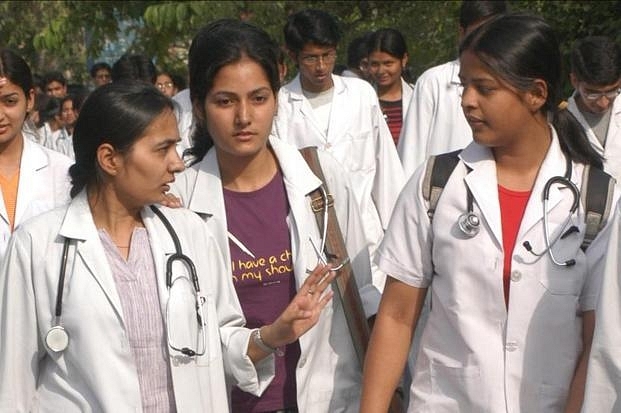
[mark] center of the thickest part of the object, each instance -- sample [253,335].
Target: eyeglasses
[165,85]
[185,319]
[593,96]
[313,59]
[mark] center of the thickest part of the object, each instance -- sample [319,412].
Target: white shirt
[185,121]
[359,138]
[328,374]
[612,151]
[435,122]
[44,184]
[96,373]
[475,355]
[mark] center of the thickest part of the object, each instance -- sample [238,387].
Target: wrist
[267,347]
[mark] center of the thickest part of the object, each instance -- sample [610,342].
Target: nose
[242,117]
[467,96]
[176,164]
[603,102]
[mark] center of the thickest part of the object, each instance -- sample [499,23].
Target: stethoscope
[57,337]
[469,223]
[319,250]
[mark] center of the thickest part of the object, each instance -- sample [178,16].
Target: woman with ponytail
[512,302]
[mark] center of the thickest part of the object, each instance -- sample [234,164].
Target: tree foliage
[69,35]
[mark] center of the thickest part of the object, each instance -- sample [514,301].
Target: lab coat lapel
[339,123]
[483,183]
[162,247]
[303,106]
[299,182]
[207,198]
[78,224]
[554,164]
[33,160]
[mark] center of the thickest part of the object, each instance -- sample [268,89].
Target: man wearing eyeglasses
[596,78]
[340,115]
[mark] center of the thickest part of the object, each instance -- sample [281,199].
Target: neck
[309,87]
[517,165]
[111,214]
[246,174]
[11,155]
[390,93]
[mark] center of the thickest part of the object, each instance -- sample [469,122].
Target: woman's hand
[171,201]
[302,312]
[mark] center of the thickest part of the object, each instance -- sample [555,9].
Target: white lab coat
[475,356]
[328,373]
[612,151]
[44,184]
[359,138]
[96,373]
[603,386]
[185,121]
[407,90]
[435,122]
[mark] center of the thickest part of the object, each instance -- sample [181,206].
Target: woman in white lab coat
[101,309]
[512,313]
[257,189]
[33,179]
[388,59]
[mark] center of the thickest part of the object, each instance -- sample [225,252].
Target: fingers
[319,278]
[171,201]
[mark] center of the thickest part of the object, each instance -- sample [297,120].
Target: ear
[404,60]
[30,100]
[537,96]
[293,56]
[574,80]
[108,159]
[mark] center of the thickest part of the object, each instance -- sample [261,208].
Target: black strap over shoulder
[439,169]
[596,193]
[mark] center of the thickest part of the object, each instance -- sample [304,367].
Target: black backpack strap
[439,169]
[596,193]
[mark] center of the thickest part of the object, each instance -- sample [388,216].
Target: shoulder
[358,85]
[438,73]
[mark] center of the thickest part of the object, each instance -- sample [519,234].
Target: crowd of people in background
[168,246]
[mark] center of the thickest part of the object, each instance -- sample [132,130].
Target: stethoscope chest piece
[469,224]
[57,339]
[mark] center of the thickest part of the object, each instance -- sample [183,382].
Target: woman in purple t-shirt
[255,189]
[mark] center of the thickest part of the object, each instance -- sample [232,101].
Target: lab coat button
[327,145]
[516,276]
[302,362]
[511,346]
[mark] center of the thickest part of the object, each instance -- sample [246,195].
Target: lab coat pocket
[213,350]
[357,151]
[559,280]
[455,388]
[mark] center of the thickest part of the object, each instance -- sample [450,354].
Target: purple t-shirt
[265,284]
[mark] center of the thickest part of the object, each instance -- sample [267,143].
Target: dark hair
[311,26]
[357,50]
[390,41]
[117,113]
[596,60]
[216,45]
[474,11]
[178,80]
[136,67]
[519,48]
[54,76]
[99,66]
[51,108]
[14,68]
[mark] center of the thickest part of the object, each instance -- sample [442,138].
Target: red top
[512,207]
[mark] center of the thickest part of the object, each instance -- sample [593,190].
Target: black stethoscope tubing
[59,332]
